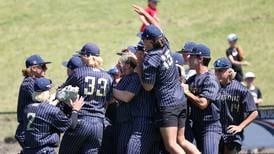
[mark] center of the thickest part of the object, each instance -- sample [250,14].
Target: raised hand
[77,104]
[233,129]
[138,9]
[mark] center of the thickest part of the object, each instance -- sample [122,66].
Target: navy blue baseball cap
[187,48]
[178,58]
[222,63]
[35,60]
[90,49]
[132,49]
[113,71]
[73,63]
[42,84]
[151,32]
[200,50]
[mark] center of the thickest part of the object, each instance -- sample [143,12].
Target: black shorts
[172,116]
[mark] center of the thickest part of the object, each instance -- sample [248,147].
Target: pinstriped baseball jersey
[144,104]
[95,86]
[206,86]
[25,96]
[160,70]
[44,124]
[236,102]
[132,84]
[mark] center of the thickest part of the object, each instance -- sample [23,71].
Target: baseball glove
[67,93]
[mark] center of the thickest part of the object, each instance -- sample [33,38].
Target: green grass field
[56,28]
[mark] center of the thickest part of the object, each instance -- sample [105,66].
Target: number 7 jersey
[95,85]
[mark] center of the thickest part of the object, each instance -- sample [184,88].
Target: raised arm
[146,18]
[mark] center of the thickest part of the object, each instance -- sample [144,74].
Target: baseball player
[35,68]
[236,56]
[73,63]
[187,48]
[236,102]
[144,137]
[201,91]
[125,93]
[95,86]
[45,121]
[159,74]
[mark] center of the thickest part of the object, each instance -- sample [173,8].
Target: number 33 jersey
[95,85]
[159,70]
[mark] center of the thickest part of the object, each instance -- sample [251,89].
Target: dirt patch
[8,148]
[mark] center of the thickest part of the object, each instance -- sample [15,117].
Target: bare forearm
[249,119]
[144,21]
[202,103]
[124,96]
[151,20]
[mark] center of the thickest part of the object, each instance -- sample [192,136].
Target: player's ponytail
[26,72]
[94,61]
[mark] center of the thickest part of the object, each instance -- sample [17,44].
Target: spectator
[152,11]
[236,56]
[255,91]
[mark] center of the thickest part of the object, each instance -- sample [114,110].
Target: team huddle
[149,103]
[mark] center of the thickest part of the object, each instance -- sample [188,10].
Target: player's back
[45,122]
[167,86]
[95,86]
